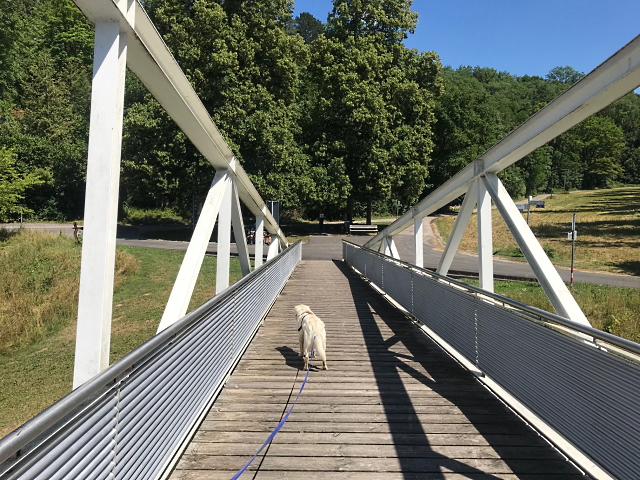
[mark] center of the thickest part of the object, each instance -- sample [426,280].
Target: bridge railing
[133,419]
[582,382]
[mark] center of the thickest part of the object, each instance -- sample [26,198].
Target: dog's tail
[319,344]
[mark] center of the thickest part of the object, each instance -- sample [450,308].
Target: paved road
[330,248]
[325,247]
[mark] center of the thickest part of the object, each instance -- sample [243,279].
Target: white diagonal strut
[274,248]
[555,289]
[190,268]
[485,240]
[93,336]
[617,76]
[462,220]
[239,233]
[390,248]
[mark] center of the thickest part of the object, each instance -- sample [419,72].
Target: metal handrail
[96,387]
[623,343]
[577,385]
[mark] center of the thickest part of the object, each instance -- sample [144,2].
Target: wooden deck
[392,406]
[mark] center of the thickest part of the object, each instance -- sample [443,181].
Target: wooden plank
[297,475]
[423,428]
[395,464]
[430,439]
[372,451]
[392,406]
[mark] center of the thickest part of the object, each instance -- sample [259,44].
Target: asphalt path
[329,247]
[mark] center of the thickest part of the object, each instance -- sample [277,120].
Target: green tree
[307,26]
[564,75]
[245,67]
[13,186]
[373,111]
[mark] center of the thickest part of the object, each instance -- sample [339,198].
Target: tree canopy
[332,117]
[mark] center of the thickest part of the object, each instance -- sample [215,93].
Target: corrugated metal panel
[154,395]
[588,394]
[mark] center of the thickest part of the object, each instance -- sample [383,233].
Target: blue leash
[277,429]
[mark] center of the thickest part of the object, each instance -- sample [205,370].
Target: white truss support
[190,268]
[239,233]
[615,77]
[259,241]
[556,290]
[460,225]
[388,247]
[485,240]
[223,255]
[274,248]
[418,242]
[95,304]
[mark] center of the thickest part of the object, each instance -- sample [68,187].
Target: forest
[338,117]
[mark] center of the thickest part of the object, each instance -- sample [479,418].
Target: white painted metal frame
[190,268]
[418,242]
[93,331]
[555,289]
[258,241]
[125,36]
[616,77]
[462,220]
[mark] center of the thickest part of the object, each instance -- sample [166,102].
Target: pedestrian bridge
[428,378]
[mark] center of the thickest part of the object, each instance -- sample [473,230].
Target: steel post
[485,240]
[418,242]
[259,241]
[224,242]
[93,335]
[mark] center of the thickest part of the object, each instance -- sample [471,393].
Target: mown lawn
[613,309]
[39,370]
[608,225]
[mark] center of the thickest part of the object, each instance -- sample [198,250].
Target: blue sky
[519,36]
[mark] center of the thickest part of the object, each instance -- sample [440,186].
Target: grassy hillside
[38,307]
[608,224]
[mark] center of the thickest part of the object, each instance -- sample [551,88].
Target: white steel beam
[418,242]
[614,78]
[93,337]
[190,268]
[239,233]
[556,290]
[259,241]
[462,220]
[151,61]
[223,256]
[274,248]
[485,240]
[390,248]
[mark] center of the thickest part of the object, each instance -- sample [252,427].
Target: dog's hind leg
[320,345]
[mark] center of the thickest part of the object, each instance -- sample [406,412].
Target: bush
[156,216]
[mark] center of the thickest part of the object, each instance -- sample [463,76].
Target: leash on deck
[282,422]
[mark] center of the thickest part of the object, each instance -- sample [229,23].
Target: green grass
[607,224]
[613,309]
[38,371]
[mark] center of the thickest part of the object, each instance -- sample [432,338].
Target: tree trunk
[369,212]
[350,203]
